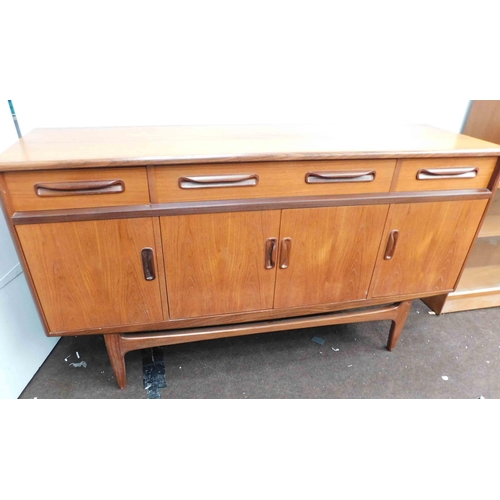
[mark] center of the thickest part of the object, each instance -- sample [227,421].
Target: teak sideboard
[154,236]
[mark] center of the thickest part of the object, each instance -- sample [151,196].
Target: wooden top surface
[115,146]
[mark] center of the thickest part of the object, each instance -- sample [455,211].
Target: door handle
[447,173]
[391,245]
[270,253]
[148,264]
[75,188]
[286,248]
[340,176]
[213,181]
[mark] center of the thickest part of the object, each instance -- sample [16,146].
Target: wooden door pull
[270,253]
[338,176]
[148,264]
[286,248]
[213,181]
[391,245]
[73,188]
[447,173]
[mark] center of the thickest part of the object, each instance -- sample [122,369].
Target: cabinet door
[216,263]
[91,274]
[424,246]
[332,253]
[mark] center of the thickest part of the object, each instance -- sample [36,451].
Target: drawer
[272,179]
[78,188]
[434,174]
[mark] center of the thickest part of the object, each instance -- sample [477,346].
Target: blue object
[14,117]
[318,340]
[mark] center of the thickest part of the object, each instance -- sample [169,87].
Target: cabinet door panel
[332,254]
[90,274]
[432,244]
[215,263]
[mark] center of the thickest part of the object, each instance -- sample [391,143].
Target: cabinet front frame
[216,206]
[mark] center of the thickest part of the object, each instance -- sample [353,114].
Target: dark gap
[153,369]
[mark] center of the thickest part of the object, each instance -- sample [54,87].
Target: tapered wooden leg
[116,355]
[398,323]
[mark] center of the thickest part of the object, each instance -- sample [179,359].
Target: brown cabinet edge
[218,206]
[250,316]
[199,160]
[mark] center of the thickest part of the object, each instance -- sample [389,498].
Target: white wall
[8,255]
[23,344]
[224,107]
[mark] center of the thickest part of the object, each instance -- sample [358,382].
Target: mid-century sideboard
[154,236]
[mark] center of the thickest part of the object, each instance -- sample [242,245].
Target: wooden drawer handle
[270,253]
[344,176]
[74,188]
[391,245]
[447,173]
[148,264]
[213,181]
[286,248]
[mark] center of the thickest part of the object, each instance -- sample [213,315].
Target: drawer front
[272,179]
[435,174]
[84,188]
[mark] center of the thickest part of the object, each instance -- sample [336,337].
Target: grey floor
[449,356]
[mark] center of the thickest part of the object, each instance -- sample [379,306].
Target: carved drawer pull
[74,188]
[286,248]
[391,245]
[447,173]
[213,181]
[344,176]
[148,265]
[270,253]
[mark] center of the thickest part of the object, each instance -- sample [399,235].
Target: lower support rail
[119,344]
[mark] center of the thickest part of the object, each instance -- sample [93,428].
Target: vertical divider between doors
[382,243]
[161,267]
[278,256]
[395,178]
[160,258]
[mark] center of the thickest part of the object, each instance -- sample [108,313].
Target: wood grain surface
[215,263]
[408,181]
[483,121]
[90,275]
[332,256]
[275,179]
[21,186]
[121,146]
[434,239]
[245,317]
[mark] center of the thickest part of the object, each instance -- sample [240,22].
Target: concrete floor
[352,363]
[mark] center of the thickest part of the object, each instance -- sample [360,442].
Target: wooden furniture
[479,285]
[162,235]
